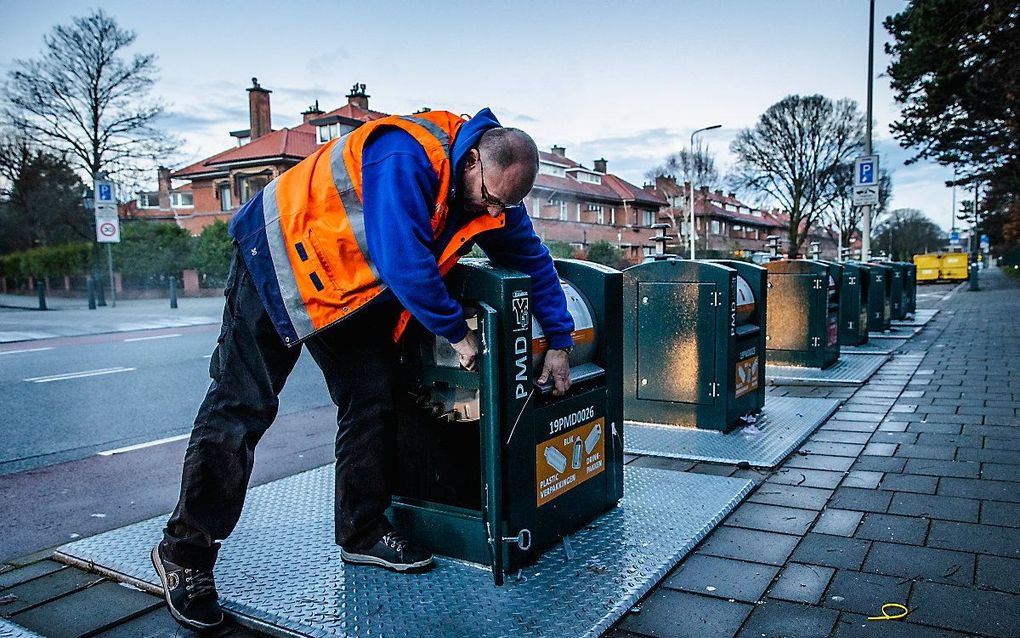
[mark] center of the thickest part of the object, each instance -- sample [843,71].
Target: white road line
[151,338]
[26,350]
[207,356]
[952,292]
[131,448]
[77,375]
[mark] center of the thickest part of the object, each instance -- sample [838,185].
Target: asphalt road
[70,398]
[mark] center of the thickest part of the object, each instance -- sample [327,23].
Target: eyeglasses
[486,197]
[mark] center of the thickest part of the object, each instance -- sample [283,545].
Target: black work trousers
[248,368]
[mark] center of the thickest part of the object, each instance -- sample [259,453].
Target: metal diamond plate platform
[782,425]
[10,630]
[896,332]
[920,318]
[281,573]
[882,346]
[851,369]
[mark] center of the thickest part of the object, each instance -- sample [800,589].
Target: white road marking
[26,350]
[207,356]
[151,338]
[77,375]
[131,448]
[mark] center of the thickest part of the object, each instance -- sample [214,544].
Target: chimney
[719,193]
[731,195]
[600,166]
[664,181]
[357,97]
[312,112]
[559,150]
[703,189]
[261,122]
[164,187]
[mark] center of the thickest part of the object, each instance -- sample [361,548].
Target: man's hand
[557,366]
[467,349]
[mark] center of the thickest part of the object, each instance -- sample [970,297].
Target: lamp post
[690,234]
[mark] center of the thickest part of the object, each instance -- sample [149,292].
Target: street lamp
[690,234]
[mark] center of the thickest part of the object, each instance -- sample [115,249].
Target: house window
[600,216]
[224,194]
[647,217]
[148,200]
[328,132]
[248,187]
[649,251]
[715,227]
[182,200]
[578,214]
[563,211]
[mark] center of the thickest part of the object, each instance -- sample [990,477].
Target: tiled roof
[612,188]
[355,113]
[629,191]
[291,143]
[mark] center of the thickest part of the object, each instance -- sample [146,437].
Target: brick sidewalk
[910,494]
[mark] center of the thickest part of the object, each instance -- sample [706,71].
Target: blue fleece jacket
[399,190]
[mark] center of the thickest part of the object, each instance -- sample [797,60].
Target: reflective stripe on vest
[284,273]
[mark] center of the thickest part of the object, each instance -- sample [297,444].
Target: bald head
[512,152]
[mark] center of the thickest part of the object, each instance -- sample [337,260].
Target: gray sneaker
[190,593]
[393,552]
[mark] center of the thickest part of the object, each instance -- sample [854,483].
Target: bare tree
[84,98]
[793,156]
[842,218]
[907,232]
[695,165]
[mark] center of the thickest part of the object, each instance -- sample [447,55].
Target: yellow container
[927,268]
[954,267]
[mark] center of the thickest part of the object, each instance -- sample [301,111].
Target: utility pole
[866,226]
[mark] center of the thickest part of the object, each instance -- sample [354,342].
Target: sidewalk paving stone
[853,498]
[674,614]
[912,562]
[931,467]
[984,539]
[964,609]
[999,472]
[879,463]
[772,518]
[819,462]
[806,478]
[864,593]
[790,620]
[722,578]
[909,483]
[838,522]
[802,583]
[832,551]
[893,529]
[862,478]
[931,506]
[812,498]
[996,572]
[749,545]
[855,626]
[980,488]
[1000,513]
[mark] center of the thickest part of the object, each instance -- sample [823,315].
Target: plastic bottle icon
[555,459]
[576,463]
[592,438]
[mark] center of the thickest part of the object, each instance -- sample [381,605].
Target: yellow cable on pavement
[886,616]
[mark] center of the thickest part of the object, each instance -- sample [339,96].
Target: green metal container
[879,297]
[895,276]
[909,276]
[803,313]
[694,351]
[853,304]
[489,467]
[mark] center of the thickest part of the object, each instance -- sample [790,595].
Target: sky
[627,81]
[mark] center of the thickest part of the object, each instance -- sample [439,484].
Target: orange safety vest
[315,228]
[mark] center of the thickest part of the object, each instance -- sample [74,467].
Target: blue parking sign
[104,191]
[866,170]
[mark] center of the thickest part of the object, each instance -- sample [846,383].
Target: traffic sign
[985,239]
[866,171]
[954,237]
[108,231]
[104,191]
[865,196]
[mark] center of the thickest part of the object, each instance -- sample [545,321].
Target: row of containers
[942,267]
[494,468]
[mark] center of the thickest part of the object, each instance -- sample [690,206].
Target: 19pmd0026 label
[569,459]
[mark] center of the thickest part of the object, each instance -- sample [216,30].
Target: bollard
[92,293]
[100,294]
[974,268]
[173,292]
[40,287]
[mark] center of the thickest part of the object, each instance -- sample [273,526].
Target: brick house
[723,225]
[579,205]
[221,183]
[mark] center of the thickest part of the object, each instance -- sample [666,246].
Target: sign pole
[113,287]
[866,226]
